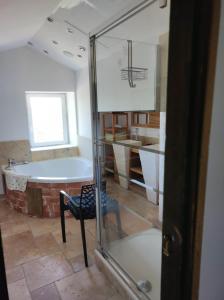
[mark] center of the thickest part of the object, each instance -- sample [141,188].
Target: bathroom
[47,134]
[84,96]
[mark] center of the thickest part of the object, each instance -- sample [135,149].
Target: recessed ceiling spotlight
[79,55]
[45,51]
[50,19]
[68,53]
[69,30]
[55,42]
[30,43]
[82,48]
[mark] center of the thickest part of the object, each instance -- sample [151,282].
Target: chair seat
[108,204]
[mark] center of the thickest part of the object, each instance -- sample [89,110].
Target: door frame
[189,102]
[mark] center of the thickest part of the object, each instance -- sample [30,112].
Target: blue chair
[83,207]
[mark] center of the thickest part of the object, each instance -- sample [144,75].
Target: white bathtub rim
[46,179]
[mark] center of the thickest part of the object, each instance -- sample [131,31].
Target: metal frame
[190,24]
[95,119]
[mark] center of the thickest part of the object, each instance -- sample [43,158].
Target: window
[48,121]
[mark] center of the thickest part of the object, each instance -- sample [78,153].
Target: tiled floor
[39,266]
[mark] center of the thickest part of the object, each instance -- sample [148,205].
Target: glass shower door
[130,69]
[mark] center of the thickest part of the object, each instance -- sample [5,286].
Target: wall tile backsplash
[19,150]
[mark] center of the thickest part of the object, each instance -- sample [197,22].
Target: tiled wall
[19,150]
[54,153]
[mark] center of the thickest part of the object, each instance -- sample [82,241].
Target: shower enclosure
[129,72]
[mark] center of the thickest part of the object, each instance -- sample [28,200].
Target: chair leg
[82,224]
[62,212]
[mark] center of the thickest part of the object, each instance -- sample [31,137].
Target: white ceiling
[21,19]
[25,20]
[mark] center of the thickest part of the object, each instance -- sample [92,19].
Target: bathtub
[45,180]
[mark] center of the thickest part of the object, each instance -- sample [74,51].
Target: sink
[131,142]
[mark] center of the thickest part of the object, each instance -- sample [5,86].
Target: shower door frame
[190,29]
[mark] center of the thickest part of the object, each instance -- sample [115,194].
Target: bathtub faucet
[12,162]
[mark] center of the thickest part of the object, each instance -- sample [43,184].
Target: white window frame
[64,116]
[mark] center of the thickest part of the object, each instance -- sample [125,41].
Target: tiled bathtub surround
[54,153]
[20,151]
[48,198]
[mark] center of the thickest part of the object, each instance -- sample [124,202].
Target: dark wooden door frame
[190,29]
[3,282]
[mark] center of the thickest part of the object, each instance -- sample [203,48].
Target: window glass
[47,119]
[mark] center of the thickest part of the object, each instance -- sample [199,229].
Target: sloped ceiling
[23,21]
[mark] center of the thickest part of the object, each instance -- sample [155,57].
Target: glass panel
[131,67]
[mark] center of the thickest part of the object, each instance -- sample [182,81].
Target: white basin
[150,169]
[122,158]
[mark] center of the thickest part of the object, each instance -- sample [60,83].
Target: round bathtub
[45,179]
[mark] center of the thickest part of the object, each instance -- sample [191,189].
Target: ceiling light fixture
[50,19]
[68,53]
[69,30]
[82,48]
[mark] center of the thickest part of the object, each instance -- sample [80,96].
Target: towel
[15,182]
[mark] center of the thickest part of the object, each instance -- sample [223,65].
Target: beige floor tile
[73,246]
[48,292]
[46,270]
[78,263]
[116,297]
[91,227]
[85,285]
[14,274]
[11,228]
[46,244]
[18,290]
[41,226]
[19,248]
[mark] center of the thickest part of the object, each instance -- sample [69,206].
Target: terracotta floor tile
[78,263]
[48,292]
[47,244]
[19,248]
[46,270]
[18,290]
[85,285]
[14,274]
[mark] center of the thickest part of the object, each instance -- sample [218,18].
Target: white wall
[212,260]
[115,94]
[24,69]
[84,113]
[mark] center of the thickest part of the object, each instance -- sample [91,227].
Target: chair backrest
[88,197]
